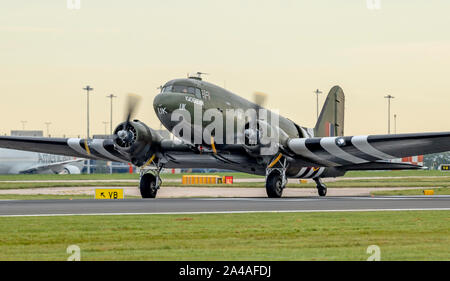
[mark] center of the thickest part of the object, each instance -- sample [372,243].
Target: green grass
[402,182]
[126,176]
[42,196]
[424,173]
[49,196]
[405,235]
[24,185]
[400,173]
[437,191]
[22,177]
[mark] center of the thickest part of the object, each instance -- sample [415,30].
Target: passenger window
[191,90]
[167,89]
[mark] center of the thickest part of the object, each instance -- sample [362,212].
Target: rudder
[331,118]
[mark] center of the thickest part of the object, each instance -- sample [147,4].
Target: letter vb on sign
[109,193]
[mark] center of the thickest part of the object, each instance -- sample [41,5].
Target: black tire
[147,186]
[274,185]
[322,190]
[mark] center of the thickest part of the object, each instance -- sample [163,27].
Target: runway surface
[220,205]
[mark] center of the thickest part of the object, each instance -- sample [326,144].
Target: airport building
[27,133]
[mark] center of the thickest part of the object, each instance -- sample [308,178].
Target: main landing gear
[321,187]
[275,184]
[276,179]
[150,182]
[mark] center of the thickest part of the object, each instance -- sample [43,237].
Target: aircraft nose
[164,104]
[161,100]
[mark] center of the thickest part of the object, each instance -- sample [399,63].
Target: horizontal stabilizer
[344,151]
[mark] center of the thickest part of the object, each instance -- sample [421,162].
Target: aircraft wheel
[147,186]
[322,189]
[274,185]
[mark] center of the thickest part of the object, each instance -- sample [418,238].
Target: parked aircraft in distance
[25,162]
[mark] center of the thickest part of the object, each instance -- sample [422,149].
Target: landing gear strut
[150,182]
[321,187]
[276,180]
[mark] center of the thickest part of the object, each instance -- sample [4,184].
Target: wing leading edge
[357,150]
[97,149]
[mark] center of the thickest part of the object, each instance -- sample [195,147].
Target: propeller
[132,103]
[259,98]
[126,135]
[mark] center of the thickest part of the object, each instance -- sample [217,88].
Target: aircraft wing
[49,166]
[97,149]
[357,150]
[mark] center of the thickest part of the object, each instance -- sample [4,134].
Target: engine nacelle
[70,169]
[136,140]
[263,139]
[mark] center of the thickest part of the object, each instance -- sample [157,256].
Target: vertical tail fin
[331,118]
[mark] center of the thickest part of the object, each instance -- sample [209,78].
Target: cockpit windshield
[183,89]
[166,89]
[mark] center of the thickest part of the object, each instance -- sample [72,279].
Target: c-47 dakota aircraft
[190,108]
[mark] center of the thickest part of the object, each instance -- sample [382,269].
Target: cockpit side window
[198,93]
[191,90]
[167,89]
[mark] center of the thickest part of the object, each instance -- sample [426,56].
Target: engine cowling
[70,169]
[263,139]
[136,140]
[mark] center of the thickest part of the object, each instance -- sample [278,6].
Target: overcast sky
[286,48]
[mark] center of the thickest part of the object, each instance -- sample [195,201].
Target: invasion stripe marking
[317,173]
[300,173]
[97,144]
[329,144]
[315,146]
[311,171]
[299,147]
[361,143]
[74,143]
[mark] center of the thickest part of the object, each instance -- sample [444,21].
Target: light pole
[23,124]
[48,130]
[389,97]
[111,96]
[395,123]
[87,89]
[317,92]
